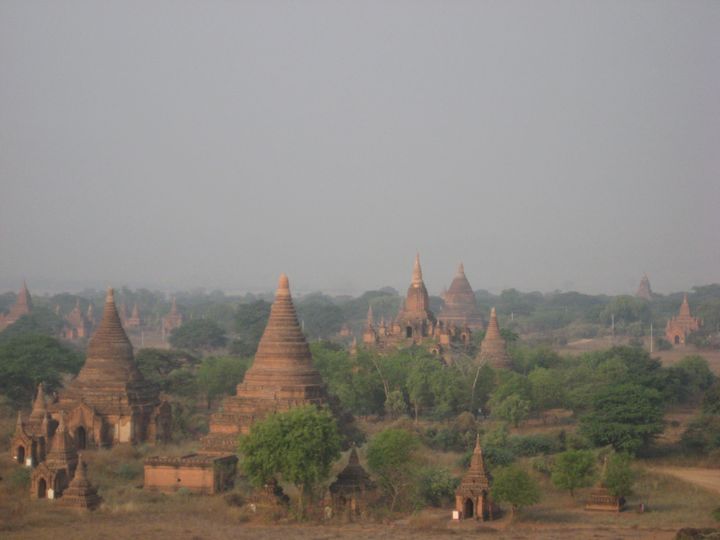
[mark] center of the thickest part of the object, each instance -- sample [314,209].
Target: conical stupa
[282,377]
[80,493]
[22,306]
[493,350]
[460,307]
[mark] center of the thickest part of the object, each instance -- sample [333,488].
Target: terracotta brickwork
[493,349]
[200,473]
[353,491]
[460,309]
[472,498]
[281,377]
[682,325]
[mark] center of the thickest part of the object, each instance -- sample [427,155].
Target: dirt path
[705,478]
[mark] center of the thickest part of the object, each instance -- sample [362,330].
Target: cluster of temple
[459,317]
[682,325]
[109,402]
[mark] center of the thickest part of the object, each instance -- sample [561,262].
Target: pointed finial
[417,271]
[39,403]
[492,312]
[19,420]
[478,448]
[370,318]
[283,286]
[110,295]
[461,269]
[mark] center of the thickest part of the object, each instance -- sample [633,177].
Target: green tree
[157,364]
[250,322]
[419,384]
[395,405]
[27,360]
[573,469]
[299,445]
[515,486]
[393,456]
[546,388]
[627,416]
[513,409]
[219,375]
[198,335]
[41,321]
[619,475]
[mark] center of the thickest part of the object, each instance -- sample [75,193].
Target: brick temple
[281,377]
[109,401]
[682,325]
[472,497]
[644,291]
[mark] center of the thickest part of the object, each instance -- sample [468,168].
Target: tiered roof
[460,306]
[477,479]
[416,308]
[281,377]
[80,493]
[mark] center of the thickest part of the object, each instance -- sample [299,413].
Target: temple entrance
[20,455]
[677,340]
[81,438]
[59,484]
[468,508]
[408,332]
[42,489]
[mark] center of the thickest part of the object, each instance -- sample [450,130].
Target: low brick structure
[80,494]
[602,500]
[199,473]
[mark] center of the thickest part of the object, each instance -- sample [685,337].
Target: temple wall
[171,478]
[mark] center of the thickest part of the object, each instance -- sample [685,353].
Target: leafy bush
[534,445]
[436,486]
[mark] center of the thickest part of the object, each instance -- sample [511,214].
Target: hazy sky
[546,144]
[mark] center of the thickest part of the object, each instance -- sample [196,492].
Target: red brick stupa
[460,309]
[644,291]
[281,377]
[493,349]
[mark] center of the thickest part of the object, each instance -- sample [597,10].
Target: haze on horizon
[174,144]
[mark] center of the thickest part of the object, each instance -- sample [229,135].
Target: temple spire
[370,318]
[39,405]
[417,278]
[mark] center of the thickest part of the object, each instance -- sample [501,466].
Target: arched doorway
[468,508]
[677,340]
[408,332]
[59,484]
[42,488]
[80,438]
[20,455]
